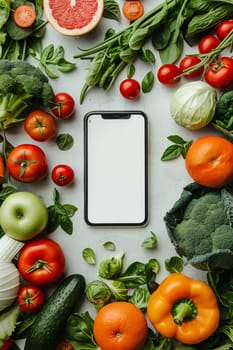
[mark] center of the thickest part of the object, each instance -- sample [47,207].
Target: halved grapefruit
[73,17]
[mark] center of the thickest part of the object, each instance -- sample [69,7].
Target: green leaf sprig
[88,255]
[60,215]
[64,141]
[53,60]
[179,147]
[112,10]
[150,242]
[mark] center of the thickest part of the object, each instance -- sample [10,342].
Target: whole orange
[120,326]
[209,161]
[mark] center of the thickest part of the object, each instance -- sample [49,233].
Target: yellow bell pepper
[184,309]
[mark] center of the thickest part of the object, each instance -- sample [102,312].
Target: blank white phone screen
[116,174]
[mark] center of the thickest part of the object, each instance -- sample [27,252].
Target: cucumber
[49,325]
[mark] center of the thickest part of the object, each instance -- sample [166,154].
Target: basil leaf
[137,40]
[174,264]
[150,242]
[172,152]
[172,52]
[176,139]
[148,56]
[110,32]
[89,256]
[130,70]
[109,246]
[148,82]
[66,224]
[112,10]
[127,55]
[96,69]
[64,141]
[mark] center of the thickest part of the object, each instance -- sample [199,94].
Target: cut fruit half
[73,17]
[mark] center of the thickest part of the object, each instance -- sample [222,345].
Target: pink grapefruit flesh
[74,17]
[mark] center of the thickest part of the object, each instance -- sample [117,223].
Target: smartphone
[116,168]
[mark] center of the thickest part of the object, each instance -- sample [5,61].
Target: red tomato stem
[39,265]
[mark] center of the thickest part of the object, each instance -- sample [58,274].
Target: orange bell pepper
[184,309]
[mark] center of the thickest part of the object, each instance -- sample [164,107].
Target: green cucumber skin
[50,322]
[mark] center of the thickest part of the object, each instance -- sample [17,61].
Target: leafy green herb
[53,60]
[150,242]
[170,19]
[98,293]
[140,298]
[130,70]
[64,141]
[118,289]
[111,268]
[148,82]
[109,246]
[60,215]
[148,56]
[179,147]
[134,276]
[112,10]
[79,330]
[174,264]
[88,255]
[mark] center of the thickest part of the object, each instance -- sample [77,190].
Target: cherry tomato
[27,163]
[30,298]
[133,9]
[41,261]
[7,344]
[188,62]
[24,16]
[62,174]
[220,73]
[130,89]
[40,125]
[224,28]
[63,106]
[208,43]
[167,72]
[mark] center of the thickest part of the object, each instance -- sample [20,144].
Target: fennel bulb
[193,105]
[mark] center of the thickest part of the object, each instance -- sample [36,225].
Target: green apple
[23,215]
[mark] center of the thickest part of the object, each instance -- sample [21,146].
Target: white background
[166,179]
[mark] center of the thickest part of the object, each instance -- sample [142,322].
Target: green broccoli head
[201,227]
[21,84]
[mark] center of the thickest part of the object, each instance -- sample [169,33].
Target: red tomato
[188,62]
[27,163]
[62,174]
[220,73]
[167,73]
[30,298]
[63,106]
[7,344]
[41,261]
[40,125]
[130,89]
[208,43]
[224,28]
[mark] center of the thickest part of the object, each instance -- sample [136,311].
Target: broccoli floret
[223,238]
[204,228]
[21,84]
